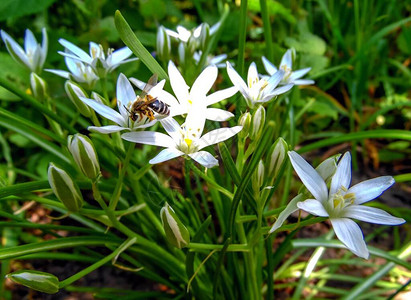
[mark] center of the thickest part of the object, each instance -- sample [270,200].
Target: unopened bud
[38,87]
[84,154]
[327,168]
[204,36]
[163,44]
[257,123]
[245,121]
[257,179]
[75,92]
[97,97]
[276,157]
[36,280]
[65,189]
[176,233]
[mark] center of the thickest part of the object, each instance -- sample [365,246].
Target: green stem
[231,248]
[210,181]
[267,30]
[249,264]
[117,191]
[94,266]
[104,88]
[242,37]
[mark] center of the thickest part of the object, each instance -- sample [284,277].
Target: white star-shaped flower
[187,140]
[341,203]
[78,72]
[100,62]
[125,97]
[189,97]
[33,56]
[257,91]
[286,65]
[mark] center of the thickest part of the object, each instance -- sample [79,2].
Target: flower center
[340,200]
[287,72]
[188,143]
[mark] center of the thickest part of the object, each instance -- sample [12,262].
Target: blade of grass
[130,39]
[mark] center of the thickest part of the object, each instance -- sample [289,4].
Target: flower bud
[74,92]
[97,97]
[257,179]
[163,44]
[276,157]
[245,121]
[84,154]
[176,233]
[257,123]
[204,36]
[38,87]
[36,280]
[65,189]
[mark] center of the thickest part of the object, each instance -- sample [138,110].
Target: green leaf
[361,135]
[36,280]
[19,8]
[66,242]
[131,40]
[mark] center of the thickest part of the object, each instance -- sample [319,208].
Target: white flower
[341,202]
[184,140]
[211,60]
[100,63]
[189,97]
[125,97]
[78,72]
[196,37]
[286,65]
[258,91]
[33,56]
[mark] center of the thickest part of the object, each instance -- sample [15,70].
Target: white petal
[166,154]
[167,98]
[60,73]
[370,189]
[204,82]
[237,80]
[15,50]
[172,127]
[291,207]
[311,179]
[178,83]
[119,55]
[349,233]
[218,135]
[76,50]
[327,168]
[303,82]
[342,176]
[273,81]
[219,115]
[313,207]
[299,73]
[30,42]
[371,215]
[138,83]
[268,66]
[252,75]
[286,60]
[104,111]
[44,45]
[221,95]
[149,138]
[204,158]
[125,94]
[107,129]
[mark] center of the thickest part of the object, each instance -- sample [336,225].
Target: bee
[145,104]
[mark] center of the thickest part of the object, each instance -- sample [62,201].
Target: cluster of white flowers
[340,202]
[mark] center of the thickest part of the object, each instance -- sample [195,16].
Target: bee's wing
[149,85]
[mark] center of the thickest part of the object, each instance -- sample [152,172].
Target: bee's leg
[151,115]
